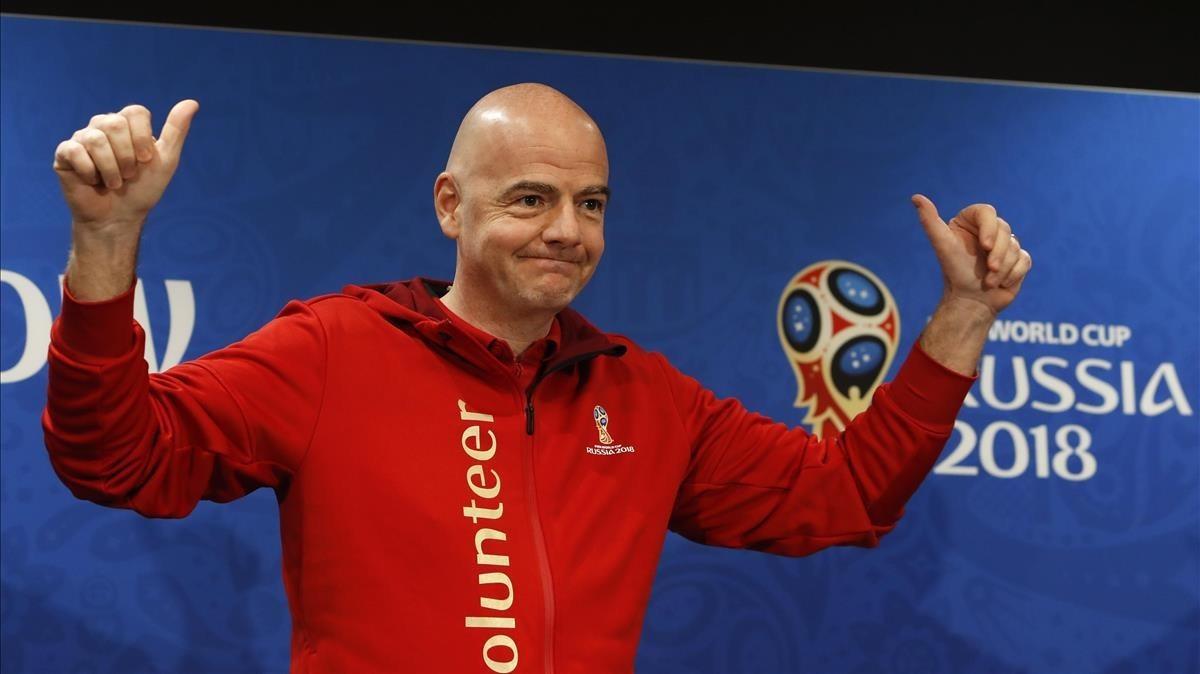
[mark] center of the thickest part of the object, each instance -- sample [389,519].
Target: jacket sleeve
[754,483]
[214,428]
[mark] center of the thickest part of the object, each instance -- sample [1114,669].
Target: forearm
[216,427]
[957,332]
[102,263]
[96,414]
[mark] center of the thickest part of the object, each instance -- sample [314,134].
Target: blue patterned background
[310,165]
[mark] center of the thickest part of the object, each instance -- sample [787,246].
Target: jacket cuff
[928,391]
[103,328]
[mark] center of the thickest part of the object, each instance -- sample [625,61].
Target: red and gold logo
[839,327]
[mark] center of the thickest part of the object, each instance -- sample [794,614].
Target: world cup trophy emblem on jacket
[840,328]
[601,416]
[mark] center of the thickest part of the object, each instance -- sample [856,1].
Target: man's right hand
[112,172]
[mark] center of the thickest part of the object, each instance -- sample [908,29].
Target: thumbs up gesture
[113,171]
[981,259]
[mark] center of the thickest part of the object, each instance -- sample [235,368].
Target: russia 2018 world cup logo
[839,327]
[601,416]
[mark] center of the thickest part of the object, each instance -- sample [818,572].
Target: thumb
[175,129]
[935,228]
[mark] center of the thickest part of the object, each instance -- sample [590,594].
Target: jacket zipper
[539,538]
[539,541]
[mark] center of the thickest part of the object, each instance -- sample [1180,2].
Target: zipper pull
[529,416]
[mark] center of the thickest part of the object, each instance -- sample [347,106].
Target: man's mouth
[549,259]
[552,263]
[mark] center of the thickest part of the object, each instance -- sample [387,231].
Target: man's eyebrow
[547,189]
[596,189]
[528,186]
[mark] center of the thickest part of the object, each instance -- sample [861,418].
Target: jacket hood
[412,302]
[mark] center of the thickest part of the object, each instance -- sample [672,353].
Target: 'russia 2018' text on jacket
[437,517]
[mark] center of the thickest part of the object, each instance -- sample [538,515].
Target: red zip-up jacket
[438,516]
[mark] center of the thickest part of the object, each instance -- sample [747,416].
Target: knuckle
[91,137]
[113,122]
[135,109]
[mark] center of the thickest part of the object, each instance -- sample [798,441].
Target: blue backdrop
[1060,532]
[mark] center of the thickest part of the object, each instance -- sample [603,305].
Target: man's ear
[446,201]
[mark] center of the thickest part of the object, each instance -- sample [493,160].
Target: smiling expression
[524,196]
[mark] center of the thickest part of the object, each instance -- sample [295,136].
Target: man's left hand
[982,260]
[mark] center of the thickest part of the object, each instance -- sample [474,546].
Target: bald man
[523,194]
[471,476]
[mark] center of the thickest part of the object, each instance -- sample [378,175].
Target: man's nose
[564,226]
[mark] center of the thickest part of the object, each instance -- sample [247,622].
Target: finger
[927,213]
[1004,241]
[175,129]
[116,128]
[1019,270]
[71,157]
[140,130]
[1011,255]
[96,143]
[984,221]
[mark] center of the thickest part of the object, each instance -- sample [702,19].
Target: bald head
[520,115]
[524,195]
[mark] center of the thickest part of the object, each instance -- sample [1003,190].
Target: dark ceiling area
[1133,54]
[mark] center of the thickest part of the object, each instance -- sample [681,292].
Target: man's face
[529,221]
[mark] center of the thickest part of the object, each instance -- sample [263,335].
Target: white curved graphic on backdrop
[37,328]
[181,305]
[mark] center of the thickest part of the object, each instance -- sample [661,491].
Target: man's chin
[551,295]
[551,301]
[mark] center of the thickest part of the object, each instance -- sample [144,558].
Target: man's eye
[596,205]
[530,200]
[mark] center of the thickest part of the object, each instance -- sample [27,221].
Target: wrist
[121,232]
[969,310]
[957,332]
[102,265]
[109,243]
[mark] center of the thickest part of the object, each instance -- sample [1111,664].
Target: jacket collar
[411,302]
